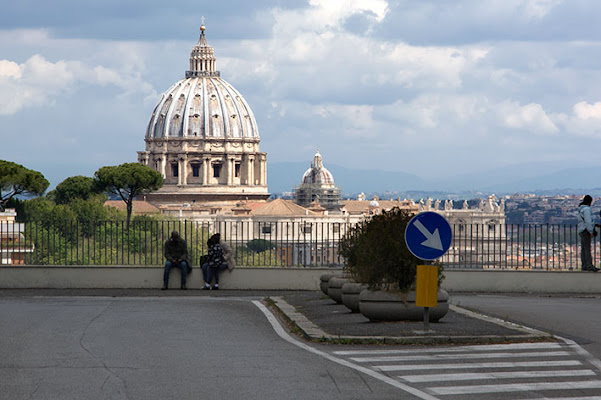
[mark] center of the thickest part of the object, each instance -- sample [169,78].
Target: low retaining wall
[511,281]
[142,277]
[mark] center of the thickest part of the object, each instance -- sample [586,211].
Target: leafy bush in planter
[376,253]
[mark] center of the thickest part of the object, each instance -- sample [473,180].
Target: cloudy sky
[430,87]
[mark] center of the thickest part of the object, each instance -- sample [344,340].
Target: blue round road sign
[428,235]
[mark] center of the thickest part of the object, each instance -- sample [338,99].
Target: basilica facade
[203,138]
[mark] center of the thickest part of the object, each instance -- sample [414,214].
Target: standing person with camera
[586,230]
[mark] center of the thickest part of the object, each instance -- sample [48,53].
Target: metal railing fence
[277,244]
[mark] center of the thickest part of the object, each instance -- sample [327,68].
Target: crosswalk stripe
[520,364]
[493,347]
[495,375]
[519,387]
[567,398]
[460,356]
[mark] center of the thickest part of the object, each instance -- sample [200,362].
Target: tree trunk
[130,206]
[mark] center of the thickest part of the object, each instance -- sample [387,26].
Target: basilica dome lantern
[203,138]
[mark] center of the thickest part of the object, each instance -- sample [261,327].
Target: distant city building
[317,187]
[13,246]
[203,138]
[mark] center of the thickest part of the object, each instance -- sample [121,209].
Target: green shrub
[376,253]
[259,245]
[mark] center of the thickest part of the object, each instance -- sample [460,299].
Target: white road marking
[491,347]
[495,375]
[520,364]
[567,398]
[391,381]
[518,387]
[461,356]
[582,352]
[466,353]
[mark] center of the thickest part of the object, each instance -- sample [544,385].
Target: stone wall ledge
[242,278]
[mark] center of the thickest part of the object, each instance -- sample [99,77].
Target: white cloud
[38,82]
[585,119]
[538,8]
[310,56]
[33,83]
[585,111]
[531,118]
[354,120]
[326,15]
[9,69]
[368,79]
[426,67]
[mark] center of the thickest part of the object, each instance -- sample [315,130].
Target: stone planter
[389,306]
[324,279]
[350,295]
[335,288]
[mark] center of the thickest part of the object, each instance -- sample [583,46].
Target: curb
[312,332]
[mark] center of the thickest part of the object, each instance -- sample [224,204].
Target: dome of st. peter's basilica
[203,138]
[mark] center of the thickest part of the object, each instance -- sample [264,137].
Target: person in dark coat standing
[176,253]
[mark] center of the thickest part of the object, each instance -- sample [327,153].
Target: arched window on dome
[174,170]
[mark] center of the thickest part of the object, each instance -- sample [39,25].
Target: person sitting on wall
[219,258]
[228,255]
[176,253]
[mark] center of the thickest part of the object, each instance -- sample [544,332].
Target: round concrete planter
[350,295]
[335,288]
[389,306]
[324,279]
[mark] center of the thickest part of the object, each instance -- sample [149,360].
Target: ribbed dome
[202,104]
[318,174]
[203,139]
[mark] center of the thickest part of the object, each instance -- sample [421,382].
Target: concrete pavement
[317,317]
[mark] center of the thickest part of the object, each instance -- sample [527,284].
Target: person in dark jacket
[176,254]
[215,262]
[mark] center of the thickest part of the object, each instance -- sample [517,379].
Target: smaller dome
[318,174]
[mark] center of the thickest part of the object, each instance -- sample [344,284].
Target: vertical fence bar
[547,246]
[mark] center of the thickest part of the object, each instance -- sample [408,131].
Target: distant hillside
[523,178]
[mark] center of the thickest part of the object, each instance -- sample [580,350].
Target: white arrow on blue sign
[428,235]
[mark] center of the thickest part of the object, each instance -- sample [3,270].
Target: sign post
[426,293]
[428,236]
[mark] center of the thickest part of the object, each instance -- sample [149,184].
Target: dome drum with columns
[203,138]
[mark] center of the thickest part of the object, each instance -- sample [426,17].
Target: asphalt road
[572,317]
[233,347]
[162,348]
